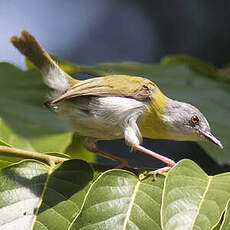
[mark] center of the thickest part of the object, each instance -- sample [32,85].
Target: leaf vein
[201,201]
[131,204]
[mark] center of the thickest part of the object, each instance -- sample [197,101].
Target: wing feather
[114,85]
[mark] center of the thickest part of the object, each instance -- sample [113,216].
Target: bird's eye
[194,119]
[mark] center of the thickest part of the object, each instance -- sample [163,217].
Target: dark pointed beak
[212,138]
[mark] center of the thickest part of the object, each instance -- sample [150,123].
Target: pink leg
[166,160]
[90,145]
[162,170]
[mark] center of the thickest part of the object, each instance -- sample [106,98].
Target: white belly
[99,117]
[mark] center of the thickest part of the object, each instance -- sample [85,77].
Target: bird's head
[185,122]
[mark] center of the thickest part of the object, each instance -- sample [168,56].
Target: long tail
[53,76]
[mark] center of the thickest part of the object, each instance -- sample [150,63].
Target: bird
[116,106]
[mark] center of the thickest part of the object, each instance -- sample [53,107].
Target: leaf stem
[49,159]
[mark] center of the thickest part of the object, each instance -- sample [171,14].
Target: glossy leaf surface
[192,199]
[118,200]
[34,196]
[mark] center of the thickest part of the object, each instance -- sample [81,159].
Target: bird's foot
[163,171]
[154,173]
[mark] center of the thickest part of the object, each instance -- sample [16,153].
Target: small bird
[116,106]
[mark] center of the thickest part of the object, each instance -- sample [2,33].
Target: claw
[161,171]
[145,174]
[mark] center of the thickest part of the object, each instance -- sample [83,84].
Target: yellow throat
[151,123]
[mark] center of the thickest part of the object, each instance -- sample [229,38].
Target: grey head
[186,122]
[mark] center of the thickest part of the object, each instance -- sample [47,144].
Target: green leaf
[226,222]
[24,121]
[201,67]
[4,143]
[217,227]
[6,160]
[21,188]
[118,200]
[76,150]
[34,196]
[192,199]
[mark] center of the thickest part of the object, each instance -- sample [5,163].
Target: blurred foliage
[25,122]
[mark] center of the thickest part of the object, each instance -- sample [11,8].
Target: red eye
[194,119]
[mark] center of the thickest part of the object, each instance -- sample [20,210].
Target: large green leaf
[24,122]
[35,196]
[192,199]
[118,200]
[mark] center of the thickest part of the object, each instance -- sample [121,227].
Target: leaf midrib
[131,204]
[201,201]
[42,195]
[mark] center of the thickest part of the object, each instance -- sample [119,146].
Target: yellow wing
[114,85]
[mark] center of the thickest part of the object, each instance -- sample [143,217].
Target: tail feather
[54,77]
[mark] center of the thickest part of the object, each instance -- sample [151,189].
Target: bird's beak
[212,138]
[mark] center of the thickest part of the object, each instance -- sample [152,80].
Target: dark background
[88,32]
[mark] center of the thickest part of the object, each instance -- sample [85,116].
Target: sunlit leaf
[118,200]
[34,196]
[24,121]
[192,199]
